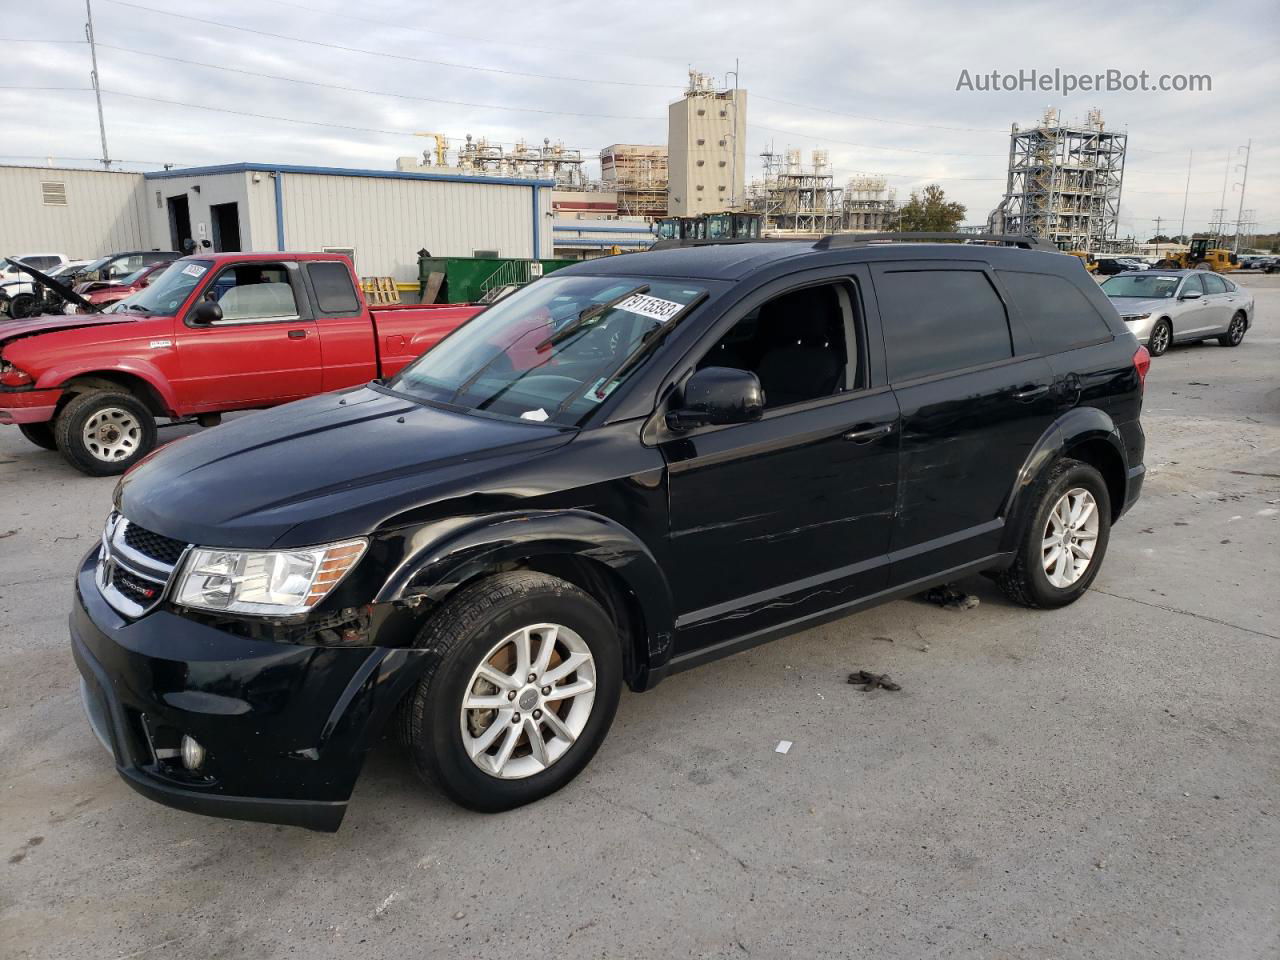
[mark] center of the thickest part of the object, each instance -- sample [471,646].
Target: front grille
[159,548]
[135,566]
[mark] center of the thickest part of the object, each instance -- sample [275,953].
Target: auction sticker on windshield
[193,270]
[655,308]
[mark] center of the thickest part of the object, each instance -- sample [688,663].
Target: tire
[471,629]
[1161,338]
[41,434]
[126,432]
[1235,333]
[1204,265]
[22,306]
[1027,581]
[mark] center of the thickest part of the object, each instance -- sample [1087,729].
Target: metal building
[796,199]
[1064,182]
[706,132]
[382,218]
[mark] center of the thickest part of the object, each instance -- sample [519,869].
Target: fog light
[192,753]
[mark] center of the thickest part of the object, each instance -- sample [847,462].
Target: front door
[1195,316]
[264,350]
[1220,303]
[975,399]
[775,520]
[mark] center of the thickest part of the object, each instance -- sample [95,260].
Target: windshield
[167,291]
[1144,286]
[551,351]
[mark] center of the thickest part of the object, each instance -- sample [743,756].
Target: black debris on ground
[951,597]
[868,681]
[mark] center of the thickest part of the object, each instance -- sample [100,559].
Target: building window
[53,193]
[724,143]
[700,187]
[724,113]
[701,162]
[701,142]
[721,188]
[701,112]
[724,163]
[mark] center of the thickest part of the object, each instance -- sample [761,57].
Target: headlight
[1134,317]
[274,583]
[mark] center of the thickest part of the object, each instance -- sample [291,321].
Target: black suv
[630,467]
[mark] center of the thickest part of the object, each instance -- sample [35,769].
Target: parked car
[1110,266]
[213,333]
[116,266]
[1164,307]
[633,466]
[16,293]
[103,293]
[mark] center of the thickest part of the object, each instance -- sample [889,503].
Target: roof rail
[837,240]
[675,243]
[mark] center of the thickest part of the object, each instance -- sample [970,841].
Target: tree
[929,212]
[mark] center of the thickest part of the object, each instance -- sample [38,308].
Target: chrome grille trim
[116,559]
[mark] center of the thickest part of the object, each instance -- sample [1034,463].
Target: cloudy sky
[874,84]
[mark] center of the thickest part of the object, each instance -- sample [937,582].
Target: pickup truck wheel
[523,678]
[1065,540]
[22,306]
[41,434]
[104,432]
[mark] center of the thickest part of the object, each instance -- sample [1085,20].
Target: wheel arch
[152,391]
[594,553]
[1083,433]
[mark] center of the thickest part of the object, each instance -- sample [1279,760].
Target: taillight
[11,376]
[1142,363]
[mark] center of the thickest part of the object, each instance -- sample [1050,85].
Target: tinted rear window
[939,320]
[334,292]
[1057,314]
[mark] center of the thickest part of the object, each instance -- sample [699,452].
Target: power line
[376,93]
[859,116]
[871,146]
[388,55]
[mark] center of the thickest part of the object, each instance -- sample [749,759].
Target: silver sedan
[1164,307]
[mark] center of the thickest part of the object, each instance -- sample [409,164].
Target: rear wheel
[1160,339]
[1235,332]
[1065,539]
[104,432]
[524,675]
[41,434]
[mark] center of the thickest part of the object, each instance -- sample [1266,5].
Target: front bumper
[285,726]
[28,406]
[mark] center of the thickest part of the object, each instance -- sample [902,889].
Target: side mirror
[715,396]
[1191,295]
[205,314]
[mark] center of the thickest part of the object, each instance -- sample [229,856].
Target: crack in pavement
[1188,613]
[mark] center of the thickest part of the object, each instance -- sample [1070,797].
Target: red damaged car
[103,293]
[209,334]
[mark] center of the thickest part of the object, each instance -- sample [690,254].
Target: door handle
[1030,392]
[297,334]
[867,433]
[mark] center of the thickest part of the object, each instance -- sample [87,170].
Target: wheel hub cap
[528,701]
[1070,536]
[112,434]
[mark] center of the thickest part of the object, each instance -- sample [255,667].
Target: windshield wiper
[587,315]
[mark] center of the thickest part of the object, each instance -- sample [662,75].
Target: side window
[43,263]
[332,283]
[796,344]
[1213,284]
[1192,285]
[257,291]
[1058,315]
[939,320]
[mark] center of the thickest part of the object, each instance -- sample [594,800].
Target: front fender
[59,375]
[1076,426]
[441,557]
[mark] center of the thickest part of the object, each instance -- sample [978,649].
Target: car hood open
[319,470]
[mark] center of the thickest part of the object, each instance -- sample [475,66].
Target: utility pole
[1248,149]
[1222,220]
[1182,230]
[97,90]
[733,182]
[1157,221]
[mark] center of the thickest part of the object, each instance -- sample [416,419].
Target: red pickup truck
[213,333]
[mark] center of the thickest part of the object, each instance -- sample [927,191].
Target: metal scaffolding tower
[793,199]
[1064,182]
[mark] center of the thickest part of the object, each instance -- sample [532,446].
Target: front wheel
[1235,332]
[1161,337]
[523,678]
[1065,539]
[104,432]
[22,306]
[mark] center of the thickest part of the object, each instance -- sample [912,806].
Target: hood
[61,289]
[320,470]
[11,329]
[1131,306]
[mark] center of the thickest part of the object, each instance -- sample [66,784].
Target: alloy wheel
[528,701]
[1160,339]
[1236,330]
[1070,536]
[112,434]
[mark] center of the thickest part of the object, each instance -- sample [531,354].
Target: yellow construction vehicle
[1200,256]
[1090,264]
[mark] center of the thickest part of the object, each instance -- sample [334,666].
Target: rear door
[264,350]
[975,397]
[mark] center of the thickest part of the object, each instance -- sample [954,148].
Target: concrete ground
[1102,781]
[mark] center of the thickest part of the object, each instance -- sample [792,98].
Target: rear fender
[438,561]
[1076,427]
